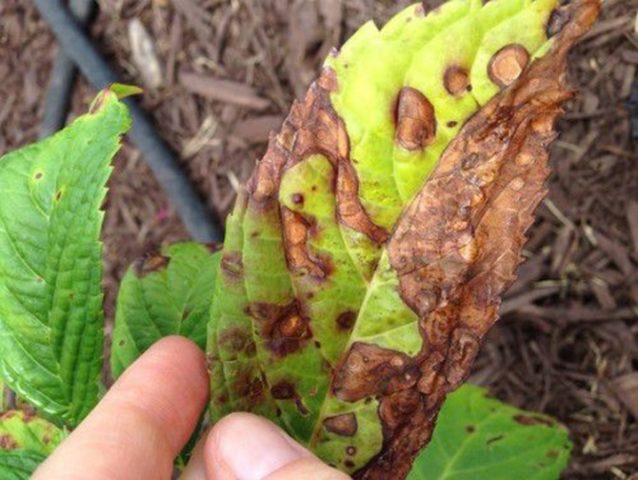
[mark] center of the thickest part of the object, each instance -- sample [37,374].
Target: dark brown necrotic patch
[231,265]
[149,263]
[344,425]
[283,391]
[345,321]
[234,340]
[557,21]
[415,120]
[301,261]
[456,80]
[284,329]
[507,65]
[370,370]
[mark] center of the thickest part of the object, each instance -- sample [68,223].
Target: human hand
[144,421]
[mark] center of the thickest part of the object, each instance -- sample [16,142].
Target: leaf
[478,438]
[25,442]
[22,431]
[365,258]
[19,464]
[164,293]
[51,316]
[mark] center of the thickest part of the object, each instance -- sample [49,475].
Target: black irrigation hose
[189,206]
[56,105]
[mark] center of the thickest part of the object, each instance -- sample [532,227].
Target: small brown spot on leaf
[456,80]
[38,175]
[452,124]
[284,328]
[58,195]
[351,450]
[297,198]
[231,265]
[283,391]
[508,64]
[7,442]
[415,120]
[344,424]
[234,340]
[495,439]
[349,463]
[345,321]
[470,429]
[552,453]
[150,263]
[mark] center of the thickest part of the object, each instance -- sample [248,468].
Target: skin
[149,414]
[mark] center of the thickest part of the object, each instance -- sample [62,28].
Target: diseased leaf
[25,442]
[22,431]
[51,318]
[365,259]
[164,293]
[19,464]
[480,438]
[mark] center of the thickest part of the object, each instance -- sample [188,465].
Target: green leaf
[480,438]
[51,319]
[365,258]
[25,442]
[19,464]
[164,293]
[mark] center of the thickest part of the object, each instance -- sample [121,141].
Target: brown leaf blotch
[369,370]
[283,391]
[7,442]
[296,230]
[344,425]
[456,80]
[235,340]
[345,321]
[150,263]
[284,328]
[415,120]
[231,265]
[508,64]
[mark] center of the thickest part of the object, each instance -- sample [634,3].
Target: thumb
[246,447]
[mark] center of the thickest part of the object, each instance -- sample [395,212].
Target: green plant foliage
[19,464]
[164,293]
[51,320]
[480,438]
[25,441]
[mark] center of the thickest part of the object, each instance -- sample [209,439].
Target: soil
[567,341]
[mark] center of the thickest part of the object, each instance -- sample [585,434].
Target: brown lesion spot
[456,80]
[370,370]
[7,442]
[297,230]
[231,265]
[346,320]
[235,340]
[344,425]
[150,263]
[508,64]
[287,391]
[284,329]
[415,120]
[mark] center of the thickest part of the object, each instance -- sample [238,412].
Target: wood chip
[626,388]
[226,91]
[257,129]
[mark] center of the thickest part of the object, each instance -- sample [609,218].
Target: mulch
[228,72]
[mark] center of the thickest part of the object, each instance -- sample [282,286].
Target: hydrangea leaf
[51,319]
[164,293]
[365,258]
[480,438]
[23,431]
[19,464]
[25,441]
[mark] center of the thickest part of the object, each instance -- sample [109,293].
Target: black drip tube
[197,219]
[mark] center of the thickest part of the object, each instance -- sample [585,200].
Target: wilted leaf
[480,438]
[164,293]
[51,318]
[25,441]
[365,259]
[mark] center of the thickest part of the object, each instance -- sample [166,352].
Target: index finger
[142,423]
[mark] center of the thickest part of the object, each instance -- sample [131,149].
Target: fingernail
[253,448]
